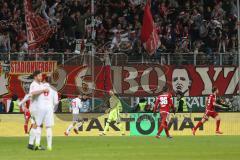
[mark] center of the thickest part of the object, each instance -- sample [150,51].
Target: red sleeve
[156,104]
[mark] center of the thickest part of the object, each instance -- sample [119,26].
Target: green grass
[126,148]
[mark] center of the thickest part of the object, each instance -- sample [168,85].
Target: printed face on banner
[181,81]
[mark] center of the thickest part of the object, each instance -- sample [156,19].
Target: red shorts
[164,116]
[208,114]
[27,115]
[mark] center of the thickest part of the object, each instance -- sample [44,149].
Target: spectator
[14,107]
[5,43]
[182,104]
[86,104]
[2,106]
[141,107]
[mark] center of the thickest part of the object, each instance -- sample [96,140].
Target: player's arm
[36,92]
[23,101]
[220,106]
[55,98]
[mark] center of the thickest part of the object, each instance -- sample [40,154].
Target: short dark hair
[214,89]
[35,73]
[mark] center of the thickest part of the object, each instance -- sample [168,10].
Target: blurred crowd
[184,26]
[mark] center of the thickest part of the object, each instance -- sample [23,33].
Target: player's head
[215,90]
[181,80]
[37,75]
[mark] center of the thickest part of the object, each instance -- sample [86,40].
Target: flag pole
[92,54]
[238,27]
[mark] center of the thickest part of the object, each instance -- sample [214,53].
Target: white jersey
[76,104]
[35,86]
[46,103]
[48,100]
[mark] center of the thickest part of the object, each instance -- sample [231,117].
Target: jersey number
[163,100]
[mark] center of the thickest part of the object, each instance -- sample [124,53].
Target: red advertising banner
[28,67]
[133,80]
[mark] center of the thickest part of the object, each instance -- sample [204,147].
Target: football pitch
[125,148]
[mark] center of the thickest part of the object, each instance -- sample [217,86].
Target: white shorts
[77,118]
[45,117]
[33,113]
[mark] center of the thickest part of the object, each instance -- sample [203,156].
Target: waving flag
[149,36]
[38,30]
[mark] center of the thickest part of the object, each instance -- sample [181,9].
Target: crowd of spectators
[208,26]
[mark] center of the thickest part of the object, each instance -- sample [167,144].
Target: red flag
[149,36]
[38,30]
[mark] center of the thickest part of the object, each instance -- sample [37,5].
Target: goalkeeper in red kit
[210,112]
[164,102]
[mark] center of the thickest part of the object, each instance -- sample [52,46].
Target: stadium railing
[228,58]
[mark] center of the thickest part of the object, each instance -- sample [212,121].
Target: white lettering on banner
[162,80]
[192,102]
[207,83]
[217,71]
[233,83]
[145,80]
[195,101]
[117,78]
[133,85]
[227,70]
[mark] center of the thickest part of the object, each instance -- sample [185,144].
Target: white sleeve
[55,98]
[80,105]
[24,100]
[32,88]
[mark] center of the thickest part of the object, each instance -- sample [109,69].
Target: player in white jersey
[76,104]
[46,104]
[36,89]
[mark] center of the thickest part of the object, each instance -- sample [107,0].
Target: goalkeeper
[114,113]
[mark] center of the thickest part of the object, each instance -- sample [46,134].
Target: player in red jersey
[24,104]
[165,103]
[210,112]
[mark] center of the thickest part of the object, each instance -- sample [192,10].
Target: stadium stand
[184,26]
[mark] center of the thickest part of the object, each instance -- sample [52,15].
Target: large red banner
[38,29]
[149,36]
[133,80]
